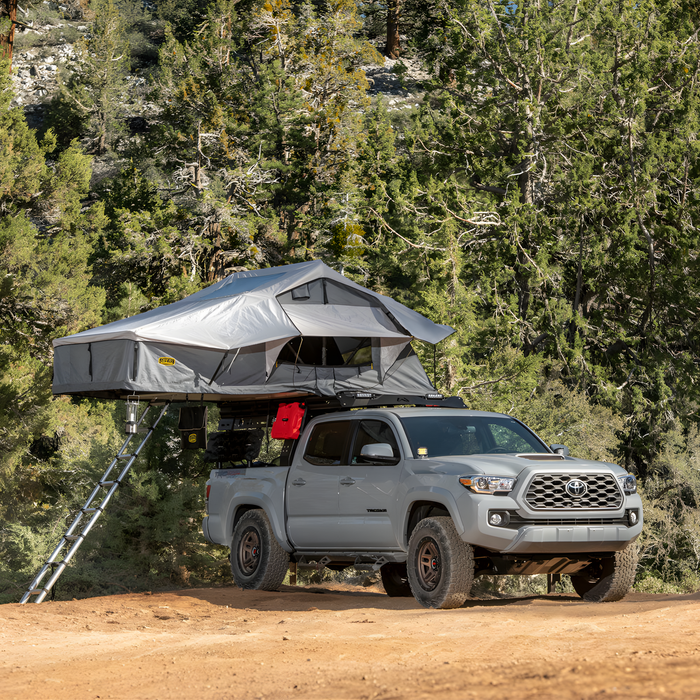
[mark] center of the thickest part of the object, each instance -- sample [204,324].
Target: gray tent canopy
[287,331]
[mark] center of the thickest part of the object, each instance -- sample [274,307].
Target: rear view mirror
[379,452]
[562,450]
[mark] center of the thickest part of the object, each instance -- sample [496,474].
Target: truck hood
[507,465]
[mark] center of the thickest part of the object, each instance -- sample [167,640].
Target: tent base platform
[343,400]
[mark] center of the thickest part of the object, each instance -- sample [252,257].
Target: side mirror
[379,452]
[562,450]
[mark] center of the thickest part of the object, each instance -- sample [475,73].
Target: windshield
[469,435]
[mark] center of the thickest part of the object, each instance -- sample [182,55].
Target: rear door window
[327,444]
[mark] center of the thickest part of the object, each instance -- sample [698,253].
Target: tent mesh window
[327,352]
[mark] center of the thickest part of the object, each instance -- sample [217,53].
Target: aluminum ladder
[89,509]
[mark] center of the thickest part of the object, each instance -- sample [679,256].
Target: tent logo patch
[193,436]
[169,361]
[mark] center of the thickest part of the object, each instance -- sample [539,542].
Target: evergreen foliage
[543,201]
[90,105]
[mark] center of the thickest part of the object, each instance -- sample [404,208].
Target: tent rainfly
[281,332]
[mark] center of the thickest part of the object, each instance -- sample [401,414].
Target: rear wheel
[610,579]
[257,560]
[440,565]
[395,580]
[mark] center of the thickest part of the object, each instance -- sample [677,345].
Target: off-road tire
[611,580]
[257,560]
[440,565]
[395,580]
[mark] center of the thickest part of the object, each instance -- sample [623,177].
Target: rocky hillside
[42,51]
[39,52]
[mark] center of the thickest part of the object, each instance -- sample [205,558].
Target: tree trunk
[392,29]
[579,287]
[197,179]
[102,144]
[8,11]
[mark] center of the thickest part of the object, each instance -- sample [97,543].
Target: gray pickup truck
[432,497]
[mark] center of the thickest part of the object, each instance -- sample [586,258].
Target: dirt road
[222,643]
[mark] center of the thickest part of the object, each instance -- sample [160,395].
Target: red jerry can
[287,425]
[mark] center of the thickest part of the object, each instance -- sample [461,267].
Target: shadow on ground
[300,598]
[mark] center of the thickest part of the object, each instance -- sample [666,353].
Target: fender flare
[434,494]
[258,499]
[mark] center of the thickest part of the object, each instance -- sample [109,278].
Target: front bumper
[572,539]
[577,535]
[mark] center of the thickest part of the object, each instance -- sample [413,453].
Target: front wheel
[257,560]
[440,565]
[610,579]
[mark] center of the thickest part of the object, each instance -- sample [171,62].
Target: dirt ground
[335,642]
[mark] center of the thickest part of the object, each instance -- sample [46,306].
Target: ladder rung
[124,456]
[70,537]
[108,483]
[90,510]
[34,591]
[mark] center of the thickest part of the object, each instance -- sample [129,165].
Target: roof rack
[366,399]
[259,408]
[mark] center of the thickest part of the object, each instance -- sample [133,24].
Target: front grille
[548,492]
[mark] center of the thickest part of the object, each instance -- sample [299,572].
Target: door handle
[299,482]
[347,481]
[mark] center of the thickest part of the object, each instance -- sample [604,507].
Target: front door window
[372,432]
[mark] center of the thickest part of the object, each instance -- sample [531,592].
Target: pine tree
[8,17]
[143,256]
[45,241]
[262,119]
[90,105]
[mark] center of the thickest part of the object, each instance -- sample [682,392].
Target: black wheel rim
[249,551]
[429,564]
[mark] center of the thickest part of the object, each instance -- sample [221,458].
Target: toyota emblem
[576,488]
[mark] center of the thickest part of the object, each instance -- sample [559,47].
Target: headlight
[628,484]
[488,484]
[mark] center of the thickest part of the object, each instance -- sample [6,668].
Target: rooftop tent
[287,331]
